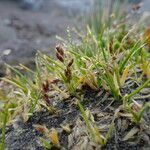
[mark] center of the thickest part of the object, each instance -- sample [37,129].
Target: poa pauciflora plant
[137,111]
[106,56]
[97,137]
[102,62]
[97,62]
[7,113]
[4,114]
[28,92]
[29,89]
[106,13]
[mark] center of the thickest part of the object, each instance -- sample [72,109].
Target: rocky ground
[25,136]
[24,31]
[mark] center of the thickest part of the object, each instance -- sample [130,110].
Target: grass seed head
[60,53]
[45,90]
[45,86]
[41,128]
[68,71]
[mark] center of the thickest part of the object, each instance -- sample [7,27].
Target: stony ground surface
[26,31]
[23,32]
[24,136]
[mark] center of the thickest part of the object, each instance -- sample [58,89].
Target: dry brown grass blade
[146,36]
[130,134]
[53,136]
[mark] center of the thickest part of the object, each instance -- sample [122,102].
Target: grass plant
[107,56]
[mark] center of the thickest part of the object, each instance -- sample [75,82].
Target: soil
[23,136]
[23,32]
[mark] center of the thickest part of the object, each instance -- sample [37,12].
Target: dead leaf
[66,128]
[146,36]
[146,68]
[41,128]
[124,75]
[130,134]
[128,115]
[89,115]
[53,136]
[136,106]
[115,81]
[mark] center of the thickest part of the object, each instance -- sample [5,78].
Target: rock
[31,4]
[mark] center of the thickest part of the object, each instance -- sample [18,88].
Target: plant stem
[138,89]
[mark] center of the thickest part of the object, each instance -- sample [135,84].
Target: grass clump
[93,129]
[96,63]
[113,59]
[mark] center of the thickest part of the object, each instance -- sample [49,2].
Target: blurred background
[30,25]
